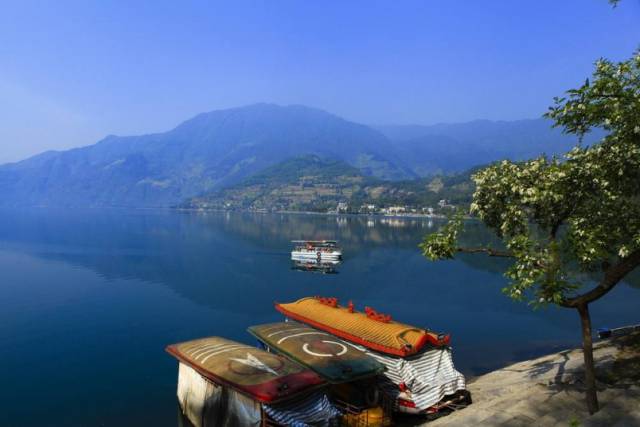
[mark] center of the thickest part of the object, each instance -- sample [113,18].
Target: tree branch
[612,276]
[488,251]
[607,96]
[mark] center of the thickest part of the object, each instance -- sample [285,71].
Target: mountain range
[447,148]
[219,149]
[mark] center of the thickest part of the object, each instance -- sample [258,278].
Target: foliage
[442,245]
[297,168]
[313,183]
[562,217]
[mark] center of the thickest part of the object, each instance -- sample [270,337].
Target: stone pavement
[548,391]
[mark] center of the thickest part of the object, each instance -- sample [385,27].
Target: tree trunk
[587,349]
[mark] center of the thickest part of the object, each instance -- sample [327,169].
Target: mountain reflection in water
[89,299]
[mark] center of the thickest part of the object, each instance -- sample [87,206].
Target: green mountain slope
[312,183]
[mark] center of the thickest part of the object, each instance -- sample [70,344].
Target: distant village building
[342,207]
[368,208]
[443,204]
[396,209]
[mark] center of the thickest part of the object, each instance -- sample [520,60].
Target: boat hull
[317,255]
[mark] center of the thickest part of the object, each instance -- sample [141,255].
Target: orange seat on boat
[369,329]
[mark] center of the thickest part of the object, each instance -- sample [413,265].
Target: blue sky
[72,72]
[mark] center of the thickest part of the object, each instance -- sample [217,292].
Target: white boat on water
[316,250]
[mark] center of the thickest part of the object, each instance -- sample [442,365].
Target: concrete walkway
[549,391]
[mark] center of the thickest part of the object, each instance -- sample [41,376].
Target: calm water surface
[89,299]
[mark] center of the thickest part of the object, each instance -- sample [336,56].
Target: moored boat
[369,328]
[351,373]
[222,382]
[318,250]
[419,377]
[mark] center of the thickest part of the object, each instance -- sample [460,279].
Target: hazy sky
[73,72]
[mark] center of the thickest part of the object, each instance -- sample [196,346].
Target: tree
[571,225]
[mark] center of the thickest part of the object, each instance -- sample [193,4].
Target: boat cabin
[222,382]
[318,250]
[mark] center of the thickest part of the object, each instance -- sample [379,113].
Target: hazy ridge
[221,148]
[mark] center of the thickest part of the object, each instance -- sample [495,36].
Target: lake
[89,299]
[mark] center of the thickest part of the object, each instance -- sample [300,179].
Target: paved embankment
[549,391]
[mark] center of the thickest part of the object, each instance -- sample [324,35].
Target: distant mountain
[210,151]
[312,183]
[218,149]
[446,148]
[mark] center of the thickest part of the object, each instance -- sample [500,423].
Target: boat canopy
[317,243]
[335,360]
[369,328]
[263,376]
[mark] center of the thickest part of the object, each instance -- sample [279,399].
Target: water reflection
[197,255]
[323,267]
[100,290]
[240,263]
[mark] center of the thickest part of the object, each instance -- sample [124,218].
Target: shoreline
[548,391]
[313,213]
[201,210]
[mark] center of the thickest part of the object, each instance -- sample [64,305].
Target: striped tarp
[429,375]
[310,410]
